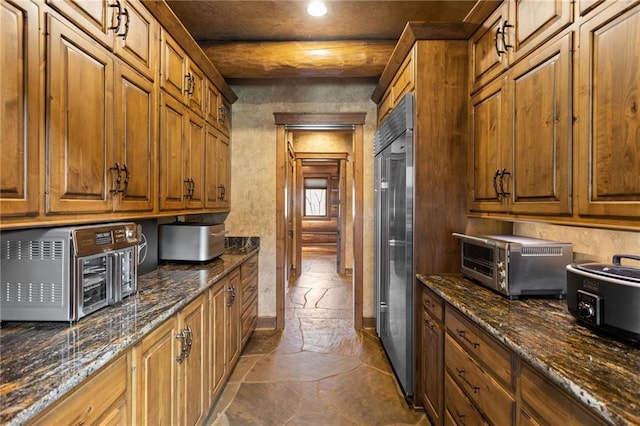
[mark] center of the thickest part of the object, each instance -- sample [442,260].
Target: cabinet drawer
[482,389]
[487,350]
[249,268]
[385,106]
[103,397]
[458,406]
[549,404]
[432,303]
[249,293]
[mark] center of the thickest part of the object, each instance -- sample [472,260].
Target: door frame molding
[320,121]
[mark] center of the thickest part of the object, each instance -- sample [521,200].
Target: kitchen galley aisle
[319,370]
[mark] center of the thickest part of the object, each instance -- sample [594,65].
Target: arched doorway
[286,122]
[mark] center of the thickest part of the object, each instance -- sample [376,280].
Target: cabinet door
[104,398]
[173,70]
[156,374]
[194,162]
[197,90]
[137,42]
[541,97]
[609,113]
[224,172]
[432,367]
[217,339]
[212,102]
[80,122]
[172,132]
[97,17]
[490,131]
[224,116]
[193,403]
[487,55]
[534,21]
[19,111]
[211,173]
[135,140]
[234,299]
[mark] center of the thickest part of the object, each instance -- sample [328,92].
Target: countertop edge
[584,395]
[98,362]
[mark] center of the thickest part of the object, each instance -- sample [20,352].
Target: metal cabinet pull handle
[503,35]
[126,24]
[496,39]
[183,350]
[461,374]
[463,335]
[126,179]
[496,175]
[188,339]
[502,175]
[117,6]
[116,168]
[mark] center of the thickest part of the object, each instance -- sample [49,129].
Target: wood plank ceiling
[278,39]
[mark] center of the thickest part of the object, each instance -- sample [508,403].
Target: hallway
[319,370]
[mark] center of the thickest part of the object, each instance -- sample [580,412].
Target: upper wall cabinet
[125,27]
[91,168]
[609,113]
[521,131]
[181,77]
[514,30]
[20,94]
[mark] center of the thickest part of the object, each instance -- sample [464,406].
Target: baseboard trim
[369,323]
[266,323]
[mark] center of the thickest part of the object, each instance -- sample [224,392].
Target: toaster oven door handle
[219,234]
[471,238]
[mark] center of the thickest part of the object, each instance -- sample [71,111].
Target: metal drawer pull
[186,336]
[460,417]
[429,324]
[463,335]
[461,374]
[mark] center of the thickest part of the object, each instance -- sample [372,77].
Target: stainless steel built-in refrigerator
[394,185]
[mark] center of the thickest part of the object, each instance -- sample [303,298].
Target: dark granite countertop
[40,362]
[599,370]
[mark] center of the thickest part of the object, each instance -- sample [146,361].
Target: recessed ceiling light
[316,8]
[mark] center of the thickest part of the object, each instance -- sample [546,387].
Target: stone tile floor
[319,370]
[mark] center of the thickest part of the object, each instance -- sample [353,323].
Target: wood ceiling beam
[299,58]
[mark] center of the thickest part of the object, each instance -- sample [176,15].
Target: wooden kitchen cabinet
[403,82]
[521,146]
[102,129]
[124,26]
[515,29]
[487,55]
[481,368]
[173,68]
[197,94]
[545,403]
[171,369]
[432,359]
[234,306]
[135,141]
[156,376]
[182,156]
[249,280]
[218,170]
[218,325]
[20,93]
[103,399]
[608,138]
[193,346]
[80,122]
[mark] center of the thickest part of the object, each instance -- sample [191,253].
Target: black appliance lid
[615,270]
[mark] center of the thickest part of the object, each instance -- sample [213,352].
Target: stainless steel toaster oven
[516,266]
[64,274]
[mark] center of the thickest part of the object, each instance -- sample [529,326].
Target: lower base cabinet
[485,383]
[105,399]
[174,375]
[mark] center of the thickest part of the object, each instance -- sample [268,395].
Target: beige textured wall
[588,243]
[253,159]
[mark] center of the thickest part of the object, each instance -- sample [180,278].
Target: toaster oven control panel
[589,307]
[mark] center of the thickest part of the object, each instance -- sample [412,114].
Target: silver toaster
[191,242]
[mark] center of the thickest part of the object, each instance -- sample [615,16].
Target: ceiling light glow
[316,8]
